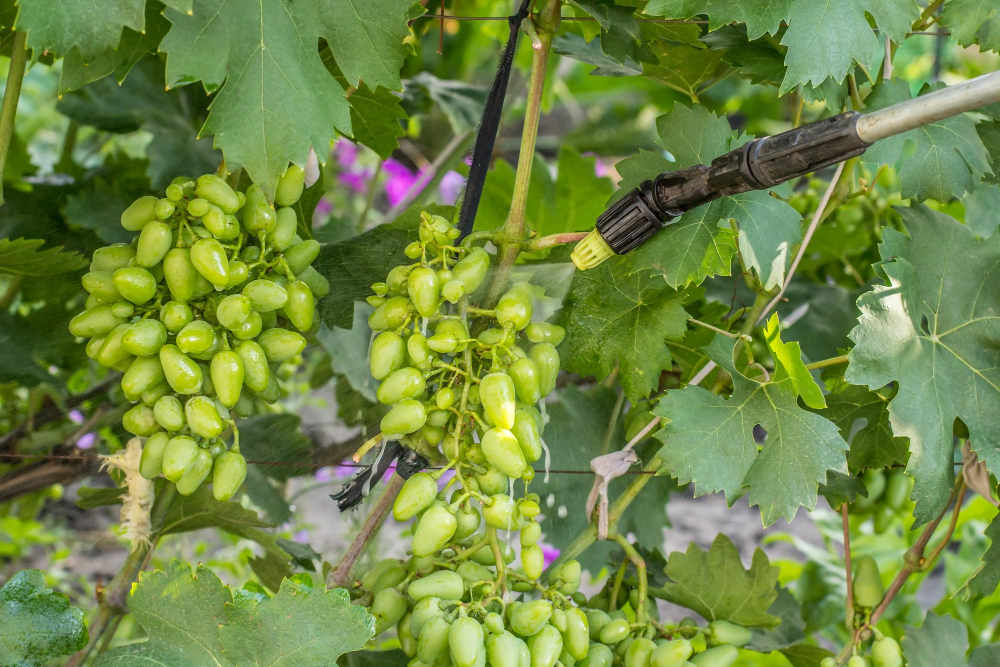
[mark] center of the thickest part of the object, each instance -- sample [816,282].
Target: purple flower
[549,554]
[450,187]
[601,170]
[323,207]
[357,181]
[76,416]
[324,474]
[87,440]
[400,180]
[346,153]
[301,537]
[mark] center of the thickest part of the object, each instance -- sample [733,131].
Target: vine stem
[823,363]
[553,240]
[849,611]
[640,567]
[113,598]
[343,575]
[15,76]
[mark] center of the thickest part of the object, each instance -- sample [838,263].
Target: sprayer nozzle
[591,251]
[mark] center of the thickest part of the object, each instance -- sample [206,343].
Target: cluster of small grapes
[868,592]
[198,307]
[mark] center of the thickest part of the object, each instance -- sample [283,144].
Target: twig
[613,421]
[553,240]
[849,607]
[342,576]
[729,334]
[15,76]
[823,363]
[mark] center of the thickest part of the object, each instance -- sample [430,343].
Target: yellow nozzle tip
[591,251]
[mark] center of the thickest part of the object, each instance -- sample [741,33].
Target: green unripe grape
[258,215]
[151,461]
[374,301]
[492,481]
[387,573]
[515,307]
[196,474]
[380,289]
[472,269]
[135,284]
[503,452]
[528,438]
[265,295]
[614,631]
[528,508]
[91,302]
[599,655]
[234,310]
[526,376]
[179,457]
[390,315]
[828,662]
[639,652]
[175,315]
[533,561]
[444,398]
[198,207]
[545,647]
[164,209]
[301,306]
[140,421]
[570,574]
[453,290]
[719,656]
[101,285]
[443,343]
[424,290]
[576,636]
[456,328]
[251,328]
[285,228]
[210,260]
[530,533]
[203,418]
[112,351]
[898,490]
[169,413]
[496,391]
[417,494]
[290,186]
[874,481]
[405,417]
[543,332]
[180,274]
[227,373]
[215,221]
[175,193]
[868,588]
[854,661]
[414,250]
[432,646]
[144,373]
[217,191]
[401,384]
[465,641]
[256,373]
[228,473]
[469,520]
[250,254]
[280,345]
[139,213]
[388,608]
[426,608]
[547,359]
[883,518]
[112,257]
[596,620]
[529,618]
[502,513]
[94,346]
[387,354]
[122,309]
[443,584]
[238,274]
[196,337]
[886,653]
[155,242]
[419,353]
[183,374]
[671,654]
[724,632]
[98,321]
[317,284]
[436,527]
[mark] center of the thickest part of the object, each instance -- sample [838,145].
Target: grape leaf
[278,438]
[394,658]
[973,21]
[461,102]
[761,16]
[943,640]
[37,624]
[936,333]
[789,355]
[759,61]
[789,632]
[839,26]
[577,47]
[981,206]
[90,26]
[614,318]
[277,99]
[715,584]
[577,196]
[375,119]
[620,32]
[683,67]
[353,265]
[78,71]
[710,440]
[986,578]
[578,420]
[191,618]
[348,350]
[949,159]
[23,257]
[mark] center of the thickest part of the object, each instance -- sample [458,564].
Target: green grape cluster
[884,652]
[887,500]
[465,384]
[204,303]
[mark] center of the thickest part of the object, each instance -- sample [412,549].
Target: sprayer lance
[767,161]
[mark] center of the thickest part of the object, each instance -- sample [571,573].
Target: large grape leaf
[191,618]
[577,47]
[25,257]
[943,640]
[949,156]
[761,16]
[715,584]
[375,118]
[277,99]
[620,32]
[934,330]
[710,440]
[616,318]
[683,67]
[973,21]
[89,26]
[37,624]
[824,38]
[694,246]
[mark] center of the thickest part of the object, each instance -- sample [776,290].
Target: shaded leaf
[761,16]
[577,47]
[37,624]
[620,32]
[348,350]
[22,257]
[986,578]
[461,102]
[840,26]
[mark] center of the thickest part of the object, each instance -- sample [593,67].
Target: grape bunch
[466,385]
[197,312]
